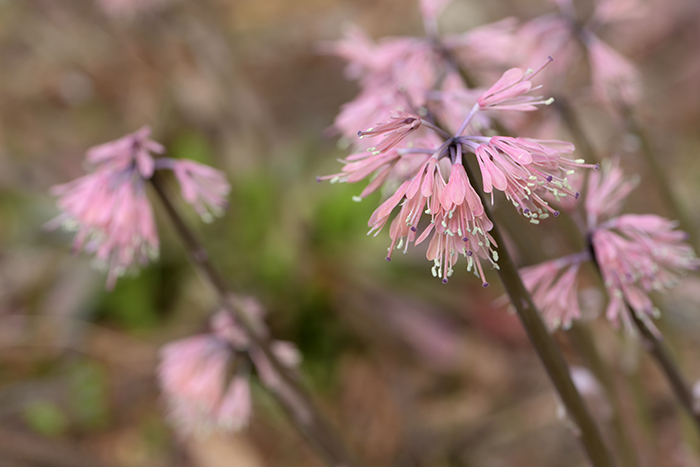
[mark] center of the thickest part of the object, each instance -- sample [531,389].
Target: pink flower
[615,79]
[203,187]
[509,92]
[555,292]
[112,219]
[636,254]
[123,153]
[192,374]
[526,169]
[396,129]
[108,208]
[607,191]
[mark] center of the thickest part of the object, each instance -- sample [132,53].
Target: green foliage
[46,418]
[88,395]
[191,145]
[133,304]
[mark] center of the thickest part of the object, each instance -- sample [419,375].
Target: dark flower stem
[656,346]
[299,407]
[662,354]
[546,348]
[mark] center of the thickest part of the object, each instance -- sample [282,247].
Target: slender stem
[468,119]
[546,348]
[582,339]
[298,405]
[657,347]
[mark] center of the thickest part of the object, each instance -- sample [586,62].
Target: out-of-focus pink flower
[203,187]
[108,209]
[509,92]
[488,46]
[615,79]
[555,292]
[636,254]
[192,374]
[610,11]
[607,191]
[122,154]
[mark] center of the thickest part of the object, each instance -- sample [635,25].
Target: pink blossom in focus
[509,92]
[428,179]
[526,169]
[203,187]
[396,129]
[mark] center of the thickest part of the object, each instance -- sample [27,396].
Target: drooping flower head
[615,79]
[205,378]
[428,166]
[108,208]
[636,255]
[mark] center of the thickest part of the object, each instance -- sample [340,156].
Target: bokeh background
[413,372]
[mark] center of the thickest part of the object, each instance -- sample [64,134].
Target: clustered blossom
[614,78]
[206,378]
[636,254]
[108,208]
[428,165]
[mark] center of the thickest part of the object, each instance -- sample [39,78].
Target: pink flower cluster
[615,79]
[109,210]
[636,254]
[429,170]
[429,122]
[194,374]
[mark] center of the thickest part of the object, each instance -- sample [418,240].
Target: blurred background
[413,372]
